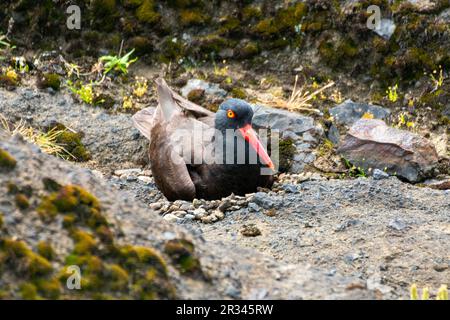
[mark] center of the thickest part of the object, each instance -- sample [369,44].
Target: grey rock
[385,28]
[254,207]
[145,180]
[171,217]
[263,200]
[210,88]
[225,205]
[397,224]
[446,111]
[282,120]
[199,213]
[349,112]
[444,17]
[290,188]
[333,135]
[379,174]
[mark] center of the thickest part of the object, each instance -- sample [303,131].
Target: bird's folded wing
[168,167]
[171,102]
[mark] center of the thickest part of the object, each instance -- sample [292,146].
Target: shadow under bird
[192,153]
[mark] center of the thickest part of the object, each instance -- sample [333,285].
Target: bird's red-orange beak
[250,135]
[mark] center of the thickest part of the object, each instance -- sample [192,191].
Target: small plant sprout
[404,121]
[353,171]
[392,94]
[127,103]
[221,71]
[117,63]
[21,64]
[336,96]
[12,74]
[84,92]
[413,293]
[140,87]
[442,293]
[437,78]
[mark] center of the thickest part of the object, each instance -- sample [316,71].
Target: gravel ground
[229,272]
[307,238]
[385,232]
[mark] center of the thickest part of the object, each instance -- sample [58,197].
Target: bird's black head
[233,114]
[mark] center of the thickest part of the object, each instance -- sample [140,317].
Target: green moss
[51,185]
[7,162]
[212,43]
[336,54]
[181,252]
[146,12]
[104,13]
[192,18]
[22,201]
[46,250]
[229,25]
[172,50]
[267,27]
[1,221]
[75,202]
[84,242]
[48,288]
[49,80]
[177,4]
[286,154]
[142,45]
[238,93]
[137,257]
[71,141]
[132,3]
[250,49]
[251,12]
[8,82]
[118,277]
[22,260]
[28,291]
[285,20]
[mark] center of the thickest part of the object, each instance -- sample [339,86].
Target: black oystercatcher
[195,153]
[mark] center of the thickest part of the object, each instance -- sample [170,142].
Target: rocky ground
[215,270]
[362,237]
[355,213]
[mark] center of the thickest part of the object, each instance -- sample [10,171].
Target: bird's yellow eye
[231,114]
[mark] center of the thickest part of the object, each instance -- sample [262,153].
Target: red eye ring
[231,114]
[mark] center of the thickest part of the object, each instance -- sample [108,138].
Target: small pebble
[171,217]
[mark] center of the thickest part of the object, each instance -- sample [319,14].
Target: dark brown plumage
[177,120]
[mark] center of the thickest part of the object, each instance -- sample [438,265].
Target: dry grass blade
[300,99]
[46,141]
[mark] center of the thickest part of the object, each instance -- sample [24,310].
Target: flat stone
[371,144]
[145,180]
[348,112]
[397,225]
[210,88]
[127,172]
[171,218]
[282,120]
